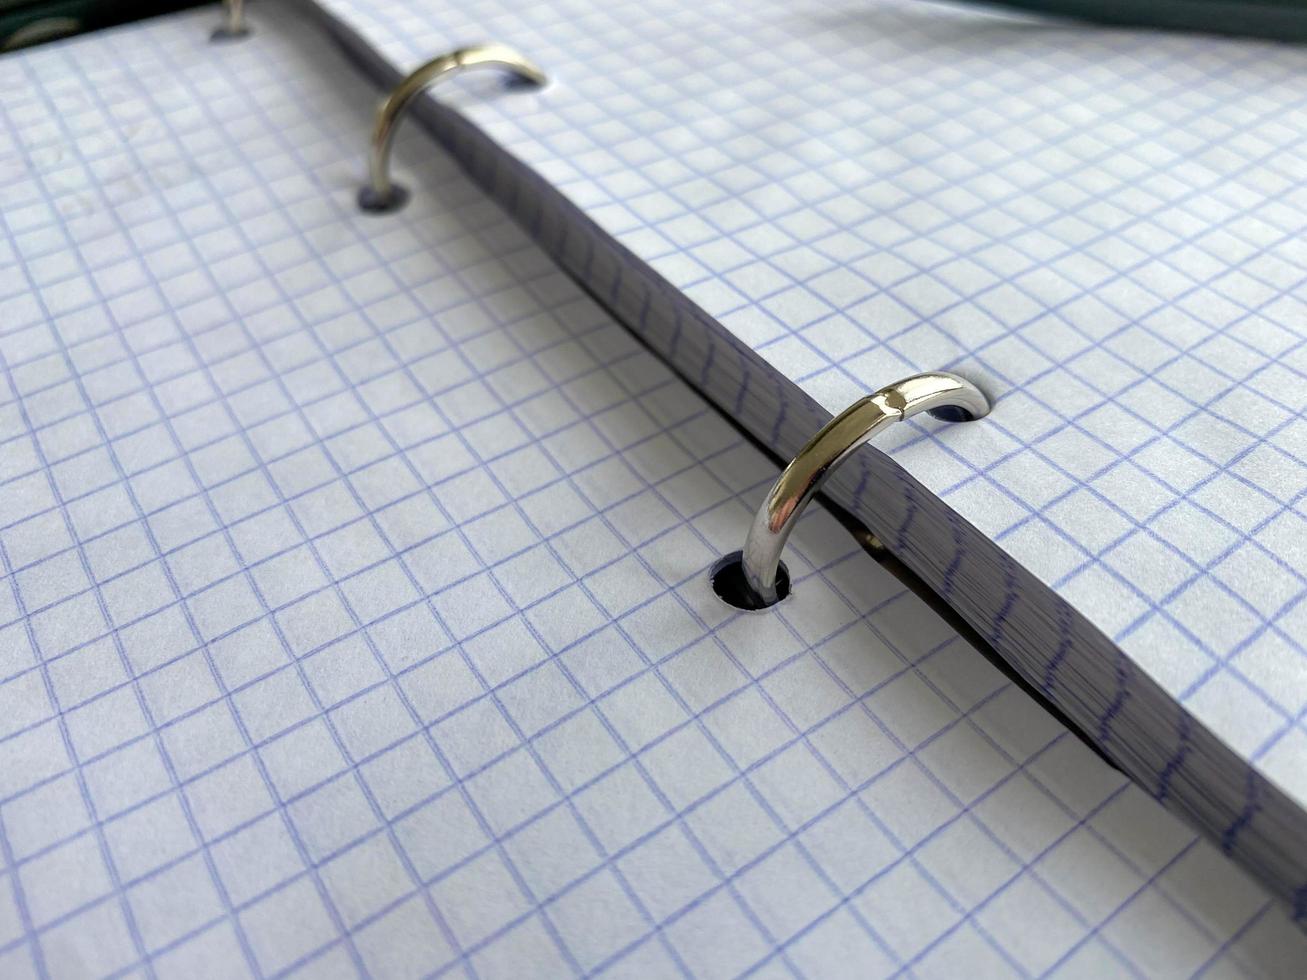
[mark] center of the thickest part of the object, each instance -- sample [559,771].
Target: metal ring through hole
[378,203]
[379,197]
[733,588]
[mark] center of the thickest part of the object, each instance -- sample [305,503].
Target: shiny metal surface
[234,25]
[944,395]
[380,194]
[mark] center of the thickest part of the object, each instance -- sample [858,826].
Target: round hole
[225,33]
[516,82]
[729,583]
[374,203]
[951,413]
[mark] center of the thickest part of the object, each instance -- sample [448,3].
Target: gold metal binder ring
[380,194]
[234,27]
[943,395]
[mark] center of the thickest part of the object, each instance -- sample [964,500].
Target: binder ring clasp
[945,396]
[380,194]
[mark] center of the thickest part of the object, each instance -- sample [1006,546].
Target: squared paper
[798,205]
[332,728]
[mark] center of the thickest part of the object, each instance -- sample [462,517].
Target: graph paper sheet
[355,615]
[1103,229]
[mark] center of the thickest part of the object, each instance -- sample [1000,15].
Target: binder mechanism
[364,568]
[906,197]
[381,195]
[755,577]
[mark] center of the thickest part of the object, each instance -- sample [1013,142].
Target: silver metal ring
[380,194]
[943,395]
[234,26]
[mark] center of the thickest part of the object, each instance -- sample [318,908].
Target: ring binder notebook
[356,613]
[380,194]
[863,194]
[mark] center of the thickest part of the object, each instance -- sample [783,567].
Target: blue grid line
[521,881]
[309,791]
[413,668]
[102,847]
[269,784]
[380,660]
[311,489]
[730,467]
[6,848]
[215,676]
[545,133]
[141,702]
[505,595]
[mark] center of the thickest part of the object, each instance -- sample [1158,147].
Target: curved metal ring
[380,194]
[234,26]
[943,395]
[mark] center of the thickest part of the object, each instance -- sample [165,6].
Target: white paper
[356,614]
[1101,228]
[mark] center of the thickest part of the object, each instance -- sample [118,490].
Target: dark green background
[1276,19]
[20,18]
[1282,20]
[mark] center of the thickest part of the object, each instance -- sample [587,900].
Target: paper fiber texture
[1102,228]
[355,615]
